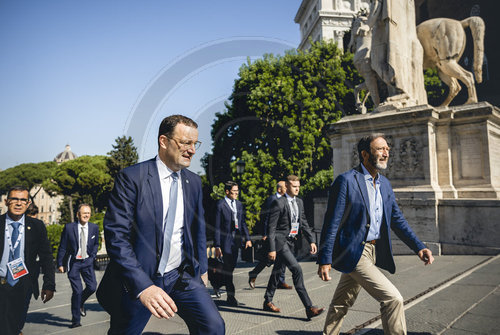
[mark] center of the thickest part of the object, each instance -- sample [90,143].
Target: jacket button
[363,243]
[367,225]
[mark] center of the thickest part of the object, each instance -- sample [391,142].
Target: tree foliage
[86,177]
[277,118]
[29,175]
[124,154]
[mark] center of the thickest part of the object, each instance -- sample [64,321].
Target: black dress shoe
[217,292]
[251,283]
[311,312]
[74,325]
[83,311]
[231,301]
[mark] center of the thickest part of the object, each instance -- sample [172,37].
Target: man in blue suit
[264,221]
[77,250]
[361,211]
[231,234]
[155,236]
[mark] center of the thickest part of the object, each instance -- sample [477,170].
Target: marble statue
[360,45]
[443,41]
[396,54]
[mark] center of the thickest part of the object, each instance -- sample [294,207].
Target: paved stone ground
[467,304]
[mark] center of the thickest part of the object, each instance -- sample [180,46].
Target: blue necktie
[168,228]
[15,254]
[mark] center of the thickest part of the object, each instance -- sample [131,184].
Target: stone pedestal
[444,167]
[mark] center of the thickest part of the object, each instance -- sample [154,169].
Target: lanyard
[9,238]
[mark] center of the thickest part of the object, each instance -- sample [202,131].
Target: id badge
[295,229]
[17,268]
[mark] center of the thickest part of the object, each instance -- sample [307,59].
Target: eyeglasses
[21,200]
[186,145]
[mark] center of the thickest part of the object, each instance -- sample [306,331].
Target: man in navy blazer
[356,236]
[77,252]
[231,234]
[155,237]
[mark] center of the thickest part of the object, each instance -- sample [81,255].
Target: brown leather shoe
[285,286]
[251,283]
[311,312]
[270,307]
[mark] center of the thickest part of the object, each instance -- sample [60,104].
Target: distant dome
[66,155]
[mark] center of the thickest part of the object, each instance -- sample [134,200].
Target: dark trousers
[285,257]
[193,303]
[85,269]
[13,306]
[262,265]
[230,259]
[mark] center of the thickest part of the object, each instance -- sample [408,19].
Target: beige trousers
[366,275]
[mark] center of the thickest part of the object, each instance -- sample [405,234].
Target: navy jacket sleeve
[218,219]
[61,252]
[337,197]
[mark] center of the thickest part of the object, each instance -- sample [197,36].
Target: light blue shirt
[376,204]
[6,249]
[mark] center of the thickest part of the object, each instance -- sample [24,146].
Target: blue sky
[85,72]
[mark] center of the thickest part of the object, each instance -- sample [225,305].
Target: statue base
[444,169]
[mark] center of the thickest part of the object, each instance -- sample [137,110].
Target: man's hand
[264,238]
[272,255]
[324,272]
[204,278]
[61,269]
[248,244]
[158,302]
[314,249]
[46,295]
[218,252]
[426,256]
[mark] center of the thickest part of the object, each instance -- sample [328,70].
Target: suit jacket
[347,222]
[224,225]
[280,223]
[68,247]
[133,232]
[264,214]
[36,244]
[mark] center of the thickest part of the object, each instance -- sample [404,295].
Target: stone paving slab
[411,278]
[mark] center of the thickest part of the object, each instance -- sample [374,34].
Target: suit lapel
[155,197]
[360,178]
[28,228]
[384,193]
[2,233]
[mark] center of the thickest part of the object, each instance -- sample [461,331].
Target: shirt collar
[8,220]
[278,195]
[368,176]
[289,198]
[84,226]
[163,170]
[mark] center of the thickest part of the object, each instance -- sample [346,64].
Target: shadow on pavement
[94,307]
[47,319]
[243,309]
[381,332]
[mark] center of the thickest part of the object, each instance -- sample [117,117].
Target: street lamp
[240,166]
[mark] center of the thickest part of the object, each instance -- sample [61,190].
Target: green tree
[54,235]
[277,118]
[85,179]
[124,154]
[29,175]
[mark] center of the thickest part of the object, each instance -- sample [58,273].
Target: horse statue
[443,41]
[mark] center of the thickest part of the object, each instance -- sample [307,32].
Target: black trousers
[230,258]
[13,305]
[285,257]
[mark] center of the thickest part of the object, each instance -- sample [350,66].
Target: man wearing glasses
[155,237]
[22,239]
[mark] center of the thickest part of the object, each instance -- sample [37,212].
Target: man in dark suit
[22,239]
[264,220]
[155,237]
[78,249]
[286,220]
[231,234]
[361,211]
